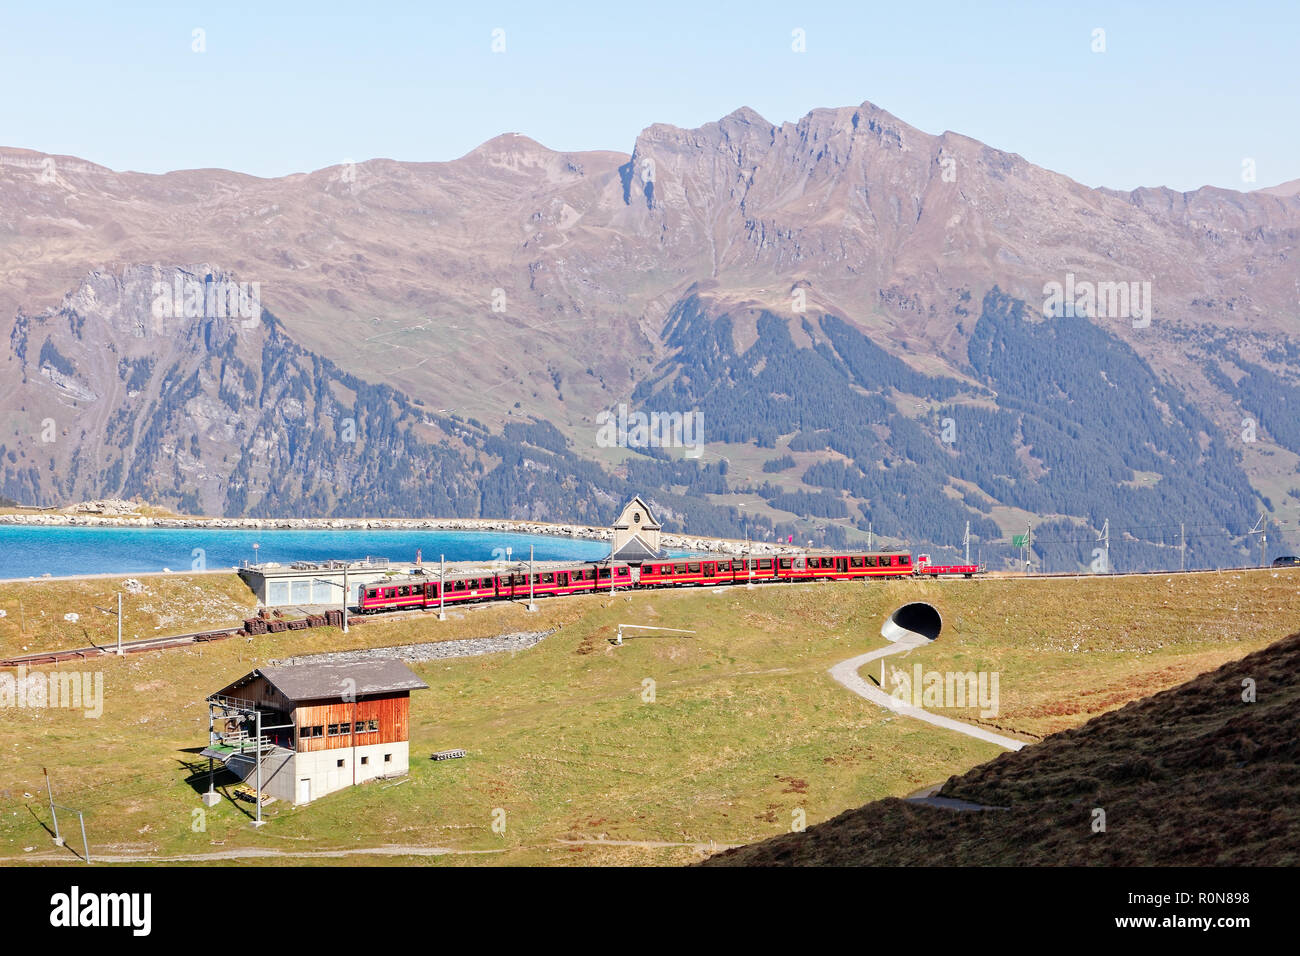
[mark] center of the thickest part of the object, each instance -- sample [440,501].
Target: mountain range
[886,333]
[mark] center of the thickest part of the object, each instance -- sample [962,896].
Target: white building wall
[322,767]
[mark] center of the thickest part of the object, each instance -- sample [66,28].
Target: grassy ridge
[169,604]
[1203,774]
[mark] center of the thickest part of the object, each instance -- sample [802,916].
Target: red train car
[419,591]
[582,580]
[844,567]
[924,568]
[422,592]
[705,572]
[835,567]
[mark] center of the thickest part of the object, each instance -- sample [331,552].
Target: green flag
[1018,540]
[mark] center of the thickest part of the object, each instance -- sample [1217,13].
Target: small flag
[1018,540]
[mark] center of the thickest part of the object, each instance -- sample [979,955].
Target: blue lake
[29,551]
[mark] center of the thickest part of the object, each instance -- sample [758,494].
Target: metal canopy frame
[221,707]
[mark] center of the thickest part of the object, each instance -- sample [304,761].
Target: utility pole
[966,542]
[442,587]
[49,789]
[1029,544]
[1182,547]
[81,817]
[532,604]
[1105,536]
[106,610]
[258,751]
[345,599]
[869,527]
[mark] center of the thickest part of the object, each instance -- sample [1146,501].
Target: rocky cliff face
[175,386]
[147,383]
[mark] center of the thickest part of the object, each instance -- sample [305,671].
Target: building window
[340,762]
[334,730]
[345,729]
[388,758]
[373,726]
[364,761]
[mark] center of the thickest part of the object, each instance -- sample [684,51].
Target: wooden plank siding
[260,692]
[392,711]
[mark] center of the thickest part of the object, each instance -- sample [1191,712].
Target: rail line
[128,647]
[277,625]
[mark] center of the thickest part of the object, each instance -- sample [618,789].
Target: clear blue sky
[1183,93]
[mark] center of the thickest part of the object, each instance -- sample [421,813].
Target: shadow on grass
[222,779]
[67,845]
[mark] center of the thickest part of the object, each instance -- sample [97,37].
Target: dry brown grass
[1195,775]
[169,604]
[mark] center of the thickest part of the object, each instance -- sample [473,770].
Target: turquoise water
[35,551]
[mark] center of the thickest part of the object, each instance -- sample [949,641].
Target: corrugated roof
[358,678]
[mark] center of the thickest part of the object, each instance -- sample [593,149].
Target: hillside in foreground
[656,752]
[1195,775]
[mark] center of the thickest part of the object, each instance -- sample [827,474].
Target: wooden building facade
[327,726]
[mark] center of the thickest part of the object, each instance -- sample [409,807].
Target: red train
[924,568]
[420,591]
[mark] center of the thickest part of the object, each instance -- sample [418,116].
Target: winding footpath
[846,673]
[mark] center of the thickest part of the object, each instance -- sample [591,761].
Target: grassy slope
[745,729]
[1196,775]
[169,604]
[1109,640]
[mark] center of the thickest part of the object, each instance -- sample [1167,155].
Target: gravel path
[846,673]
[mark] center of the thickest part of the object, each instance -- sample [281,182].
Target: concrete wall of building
[322,768]
[277,773]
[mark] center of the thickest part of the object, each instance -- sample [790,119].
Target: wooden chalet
[314,728]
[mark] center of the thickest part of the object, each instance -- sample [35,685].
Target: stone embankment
[113,513]
[431,651]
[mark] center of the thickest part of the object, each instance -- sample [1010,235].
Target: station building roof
[298,682]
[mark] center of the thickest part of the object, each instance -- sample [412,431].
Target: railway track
[218,634]
[128,647]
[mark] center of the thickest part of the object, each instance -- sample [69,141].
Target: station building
[316,728]
[316,583]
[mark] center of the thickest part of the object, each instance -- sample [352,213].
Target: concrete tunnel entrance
[917,619]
